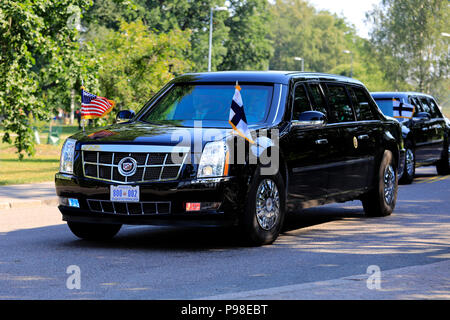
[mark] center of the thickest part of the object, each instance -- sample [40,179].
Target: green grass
[39,168]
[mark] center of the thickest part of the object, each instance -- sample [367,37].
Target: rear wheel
[443,166]
[94,231]
[409,169]
[264,215]
[381,200]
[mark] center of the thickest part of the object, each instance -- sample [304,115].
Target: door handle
[322,141]
[363,137]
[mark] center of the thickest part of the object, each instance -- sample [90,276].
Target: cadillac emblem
[355,142]
[127,166]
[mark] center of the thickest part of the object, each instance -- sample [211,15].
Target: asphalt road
[144,262]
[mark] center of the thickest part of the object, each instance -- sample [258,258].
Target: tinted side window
[318,101]
[416,104]
[436,113]
[361,104]
[425,105]
[301,102]
[340,108]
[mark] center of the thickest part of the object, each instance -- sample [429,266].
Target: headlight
[67,156]
[213,162]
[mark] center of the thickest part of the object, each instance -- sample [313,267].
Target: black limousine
[425,130]
[316,138]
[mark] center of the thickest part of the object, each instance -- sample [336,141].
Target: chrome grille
[154,163]
[130,208]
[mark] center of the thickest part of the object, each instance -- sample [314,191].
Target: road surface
[327,252]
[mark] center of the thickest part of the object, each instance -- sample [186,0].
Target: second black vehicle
[425,130]
[317,138]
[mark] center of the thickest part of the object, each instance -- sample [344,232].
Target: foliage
[408,37]
[135,63]
[126,50]
[248,44]
[31,31]
[300,31]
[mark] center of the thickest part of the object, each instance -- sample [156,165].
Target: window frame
[296,84]
[333,120]
[322,94]
[370,103]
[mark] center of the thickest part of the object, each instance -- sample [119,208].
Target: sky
[353,10]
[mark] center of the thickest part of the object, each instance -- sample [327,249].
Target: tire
[409,169]
[443,166]
[94,231]
[380,201]
[263,218]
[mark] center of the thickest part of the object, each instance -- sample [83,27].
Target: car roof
[404,94]
[282,77]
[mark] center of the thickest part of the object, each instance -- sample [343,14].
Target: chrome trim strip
[157,204]
[278,105]
[331,165]
[138,166]
[124,148]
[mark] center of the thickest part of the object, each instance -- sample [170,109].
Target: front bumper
[226,193]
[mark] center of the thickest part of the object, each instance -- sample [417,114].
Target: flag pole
[83,121]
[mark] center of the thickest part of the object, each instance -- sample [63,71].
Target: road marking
[431,179]
[438,179]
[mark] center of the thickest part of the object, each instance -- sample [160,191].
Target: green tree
[300,31]
[32,33]
[162,17]
[407,36]
[248,44]
[135,62]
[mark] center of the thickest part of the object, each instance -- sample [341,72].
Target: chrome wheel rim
[389,184]
[267,204]
[410,162]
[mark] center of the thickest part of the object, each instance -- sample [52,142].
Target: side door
[419,131]
[368,132]
[348,171]
[437,129]
[305,154]
[428,153]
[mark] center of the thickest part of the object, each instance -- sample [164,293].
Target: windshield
[210,102]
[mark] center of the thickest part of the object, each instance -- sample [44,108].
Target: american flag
[93,106]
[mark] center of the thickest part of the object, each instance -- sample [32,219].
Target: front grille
[102,162]
[130,208]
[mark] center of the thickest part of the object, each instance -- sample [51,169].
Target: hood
[168,134]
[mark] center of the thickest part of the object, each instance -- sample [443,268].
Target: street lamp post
[351,57]
[210,32]
[303,62]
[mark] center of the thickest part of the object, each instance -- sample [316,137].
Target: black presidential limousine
[316,138]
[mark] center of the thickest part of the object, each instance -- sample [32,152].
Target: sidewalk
[27,195]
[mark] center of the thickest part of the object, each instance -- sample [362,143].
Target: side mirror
[311,119]
[422,116]
[124,115]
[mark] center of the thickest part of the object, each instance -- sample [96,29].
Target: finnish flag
[402,110]
[237,115]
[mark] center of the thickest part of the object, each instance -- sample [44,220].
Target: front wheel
[94,231]
[381,201]
[264,215]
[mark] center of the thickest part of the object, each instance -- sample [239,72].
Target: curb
[16,204]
